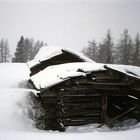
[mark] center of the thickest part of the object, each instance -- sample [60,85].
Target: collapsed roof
[54,75]
[132,71]
[48,52]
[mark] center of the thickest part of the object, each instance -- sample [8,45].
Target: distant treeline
[26,50]
[125,51]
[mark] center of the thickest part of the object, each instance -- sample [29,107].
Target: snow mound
[14,105]
[14,109]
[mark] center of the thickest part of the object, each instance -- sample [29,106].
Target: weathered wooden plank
[104,108]
[80,100]
[80,118]
[100,92]
[117,117]
[100,87]
[79,106]
[80,121]
[79,114]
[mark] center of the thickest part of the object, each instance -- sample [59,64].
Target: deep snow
[14,113]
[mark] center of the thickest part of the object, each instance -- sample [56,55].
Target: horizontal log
[79,106]
[72,108]
[93,92]
[103,84]
[80,121]
[99,87]
[80,100]
[90,93]
[79,114]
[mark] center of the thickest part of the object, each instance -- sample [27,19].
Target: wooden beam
[116,117]
[104,108]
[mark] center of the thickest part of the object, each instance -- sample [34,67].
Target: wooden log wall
[92,99]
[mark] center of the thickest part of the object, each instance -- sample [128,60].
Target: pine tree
[19,54]
[1,50]
[136,55]
[91,50]
[4,51]
[37,47]
[28,49]
[105,49]
[125,49]
[101,54]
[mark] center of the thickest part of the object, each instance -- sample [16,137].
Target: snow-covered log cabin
[82,93]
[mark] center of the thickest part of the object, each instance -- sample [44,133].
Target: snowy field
[14,112]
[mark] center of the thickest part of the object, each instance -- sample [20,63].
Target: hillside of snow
[15,106]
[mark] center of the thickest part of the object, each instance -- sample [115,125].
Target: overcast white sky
[67,23]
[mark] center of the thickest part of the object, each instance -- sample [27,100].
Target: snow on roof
[47,52]
[132,71]
[53,75]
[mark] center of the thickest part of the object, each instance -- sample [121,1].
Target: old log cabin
[81,91]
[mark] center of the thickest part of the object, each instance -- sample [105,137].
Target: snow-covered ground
[14,113]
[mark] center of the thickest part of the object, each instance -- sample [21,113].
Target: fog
[67,23]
